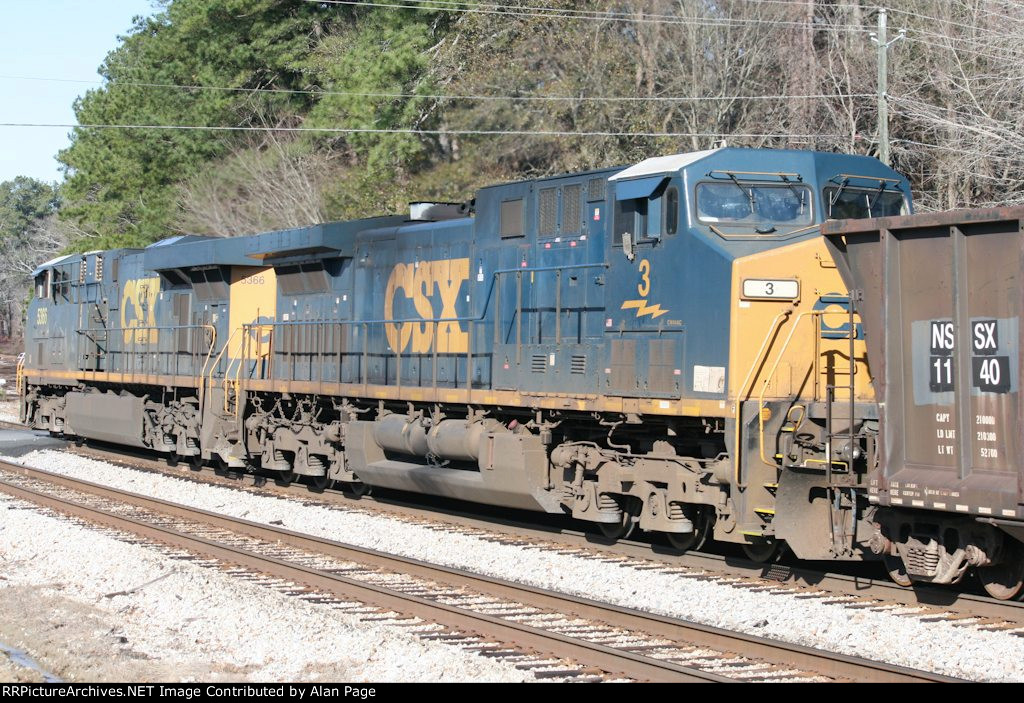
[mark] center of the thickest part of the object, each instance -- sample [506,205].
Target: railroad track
[543,533]
[536,629]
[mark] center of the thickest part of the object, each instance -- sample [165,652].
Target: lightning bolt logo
[642,308]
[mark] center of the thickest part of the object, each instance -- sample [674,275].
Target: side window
[671,211]
[42,285]
[511,224]
[646,216]
[630,216]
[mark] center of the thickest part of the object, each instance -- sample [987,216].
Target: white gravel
[936,646]
[200,622]
[9,409]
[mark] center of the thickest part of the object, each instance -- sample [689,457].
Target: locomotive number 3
[644,287]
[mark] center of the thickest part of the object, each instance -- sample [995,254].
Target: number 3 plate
[772,289]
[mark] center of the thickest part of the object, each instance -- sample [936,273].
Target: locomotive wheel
[625,526]
[195,462]
[897,571]
[1004,581]
[285,478]
[319,484]
[173,459]
[358,489]
[686,541]
[763,551]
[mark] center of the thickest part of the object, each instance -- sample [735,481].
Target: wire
[525,98]
[559,13]
[367,130]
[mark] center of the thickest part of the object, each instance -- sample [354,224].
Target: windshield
[747,204]
[858,203]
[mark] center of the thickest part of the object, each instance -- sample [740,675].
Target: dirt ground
[76,643]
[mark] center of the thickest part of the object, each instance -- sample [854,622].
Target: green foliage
[121,183]
[24,202]
[382,52]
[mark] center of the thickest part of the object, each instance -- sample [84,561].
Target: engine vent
[578,364]
[595,189]
[547,213]
[538,363]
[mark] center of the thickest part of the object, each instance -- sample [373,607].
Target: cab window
[42,285]
[752,204]
[846,203]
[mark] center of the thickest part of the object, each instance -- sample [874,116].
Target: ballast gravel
[185,622]
[887,636]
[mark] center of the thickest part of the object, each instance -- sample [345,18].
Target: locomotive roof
[662,164]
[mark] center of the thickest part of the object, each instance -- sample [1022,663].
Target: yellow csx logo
[643,289]
[426,284]
[41,316]
[138,309]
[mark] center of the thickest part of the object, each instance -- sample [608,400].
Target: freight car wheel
[1004,581]
[285,478]
[173,459]
[763,551]
[686,541]
[897,571]
[195,462]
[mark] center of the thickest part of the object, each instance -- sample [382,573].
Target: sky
[65,39]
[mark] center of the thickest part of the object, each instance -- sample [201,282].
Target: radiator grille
[572,210]
[595,189]
[548,213]
[578,364]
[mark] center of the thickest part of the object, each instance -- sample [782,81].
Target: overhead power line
[565,13]
[441,96]
[368,130]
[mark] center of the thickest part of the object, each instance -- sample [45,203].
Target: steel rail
[470,516]
[609,659]
[920,595]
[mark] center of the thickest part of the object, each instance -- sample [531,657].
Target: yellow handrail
[216,361]
[742,393]
[771,374]
[202,372]
[19,376]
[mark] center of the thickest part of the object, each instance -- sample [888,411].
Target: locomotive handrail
[213,366]
[436,321]
[741,396]
[462,318]
[112,348]
[771,374]
[19,376]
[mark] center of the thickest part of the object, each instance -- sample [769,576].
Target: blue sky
[65,39]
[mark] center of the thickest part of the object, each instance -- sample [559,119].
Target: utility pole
[881,39]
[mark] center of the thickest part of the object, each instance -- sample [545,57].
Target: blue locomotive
[667,346]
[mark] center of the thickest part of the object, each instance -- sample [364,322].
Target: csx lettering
[985,338]
[426,285]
